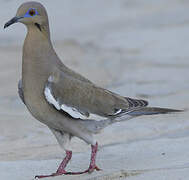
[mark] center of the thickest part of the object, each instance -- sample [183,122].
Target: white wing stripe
[51,99]
[71,111]
[117,112]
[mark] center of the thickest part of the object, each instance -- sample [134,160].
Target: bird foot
[61,169]
[89,170]
[51,175]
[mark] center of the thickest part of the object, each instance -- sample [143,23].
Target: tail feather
[134,103]
[152,111]
[95,126]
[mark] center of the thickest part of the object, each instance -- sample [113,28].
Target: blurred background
[137,48]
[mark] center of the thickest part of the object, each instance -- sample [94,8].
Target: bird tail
[95,126]
[144,111]
[152,111]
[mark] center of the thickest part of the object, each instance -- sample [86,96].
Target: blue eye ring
[31,13]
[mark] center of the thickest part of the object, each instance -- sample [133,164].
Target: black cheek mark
[38,26]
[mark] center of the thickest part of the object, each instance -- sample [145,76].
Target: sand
[135,48]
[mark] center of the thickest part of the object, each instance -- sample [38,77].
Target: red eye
[32,12]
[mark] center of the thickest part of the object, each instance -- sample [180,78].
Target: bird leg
[93,166]
[61,169]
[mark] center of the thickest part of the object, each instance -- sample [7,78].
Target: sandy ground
[137,48]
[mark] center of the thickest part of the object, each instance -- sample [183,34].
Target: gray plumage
[43,70]
[62,99]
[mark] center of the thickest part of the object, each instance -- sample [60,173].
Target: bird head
[32,14]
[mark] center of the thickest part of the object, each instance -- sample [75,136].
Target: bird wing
[20,91]
[81,99]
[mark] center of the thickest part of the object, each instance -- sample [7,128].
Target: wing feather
[20,91]
[82,99]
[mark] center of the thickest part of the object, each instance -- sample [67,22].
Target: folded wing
[81,99]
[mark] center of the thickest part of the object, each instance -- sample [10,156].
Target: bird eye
[32,12]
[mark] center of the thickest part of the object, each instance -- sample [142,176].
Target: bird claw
[41,176]
[97,168]
[51,175]
[91,169]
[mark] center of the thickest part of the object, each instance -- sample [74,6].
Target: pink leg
[61,168]
[93,165]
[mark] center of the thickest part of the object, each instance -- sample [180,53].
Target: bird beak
[12,21]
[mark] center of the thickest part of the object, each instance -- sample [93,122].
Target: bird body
[38,65]
[64,100]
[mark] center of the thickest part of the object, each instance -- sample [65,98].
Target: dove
[65,101]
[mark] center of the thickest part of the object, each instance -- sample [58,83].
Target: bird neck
[38,48]
[39,56]
[38,52]
[37,45]
[36,33]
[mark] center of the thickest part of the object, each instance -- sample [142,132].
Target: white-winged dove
[65,101]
